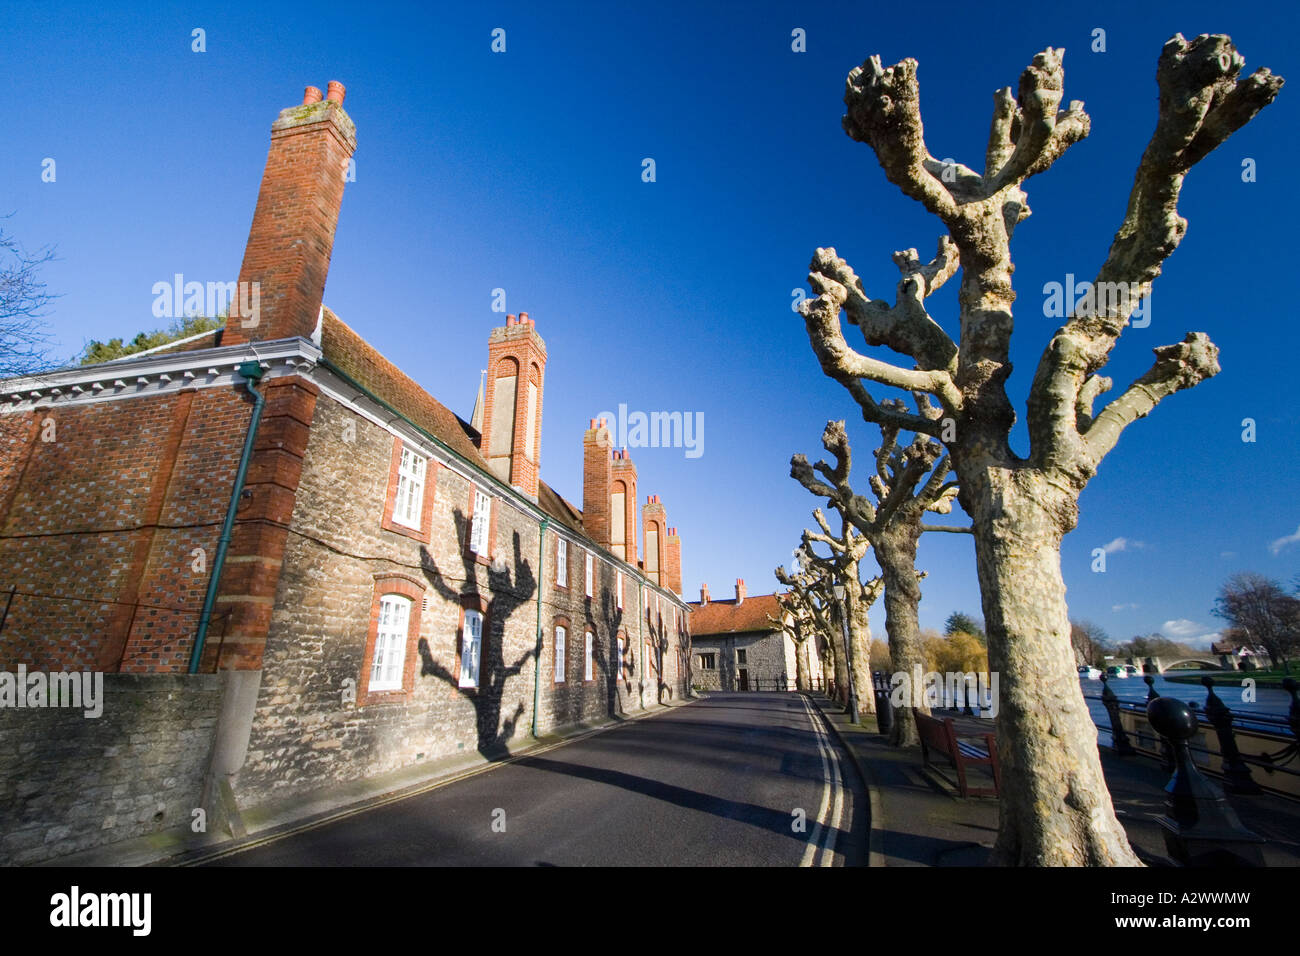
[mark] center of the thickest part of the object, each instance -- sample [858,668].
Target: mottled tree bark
[1055,807]
[896,553]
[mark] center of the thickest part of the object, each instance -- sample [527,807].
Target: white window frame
[588,671]
[591,573]
[480,523]
[618,665]
[394,627]
[561,639]
[408,501]
[562,562]
[471,648]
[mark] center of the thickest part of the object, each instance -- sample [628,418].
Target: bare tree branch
[1178,366]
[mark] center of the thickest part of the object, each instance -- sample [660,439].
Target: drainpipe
[541,580]
[252,374]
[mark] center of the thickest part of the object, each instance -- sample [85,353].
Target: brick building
[735,645]
[274,542]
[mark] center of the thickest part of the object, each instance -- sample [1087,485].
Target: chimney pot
[704,594]
[336,92]
[311,95]
[523,318]
[510,320]
[740,590]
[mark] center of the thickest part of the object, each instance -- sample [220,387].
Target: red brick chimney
[597,447]
[740,591]
[672,572]
[654,523]
[622,498]
[292,237]
[704,593]
[512,405]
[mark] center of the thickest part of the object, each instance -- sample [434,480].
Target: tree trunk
[897,557]
[835,644]
[860,636]
[801,681]
[1055,808]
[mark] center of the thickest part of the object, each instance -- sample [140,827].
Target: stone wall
[769,657]
[71,782]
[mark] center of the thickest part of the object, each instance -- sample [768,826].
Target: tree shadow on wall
[511,584]
[611,616]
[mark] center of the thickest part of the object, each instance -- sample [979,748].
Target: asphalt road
[720,782]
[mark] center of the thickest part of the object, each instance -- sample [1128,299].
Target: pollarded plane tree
[810,590]
[1055,808]
[797,623]
[910,481]
[844,566]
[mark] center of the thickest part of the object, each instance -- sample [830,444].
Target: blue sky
[522,170]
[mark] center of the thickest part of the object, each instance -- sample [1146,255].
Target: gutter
[252,374]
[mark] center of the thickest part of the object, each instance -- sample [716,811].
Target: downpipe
[251,372]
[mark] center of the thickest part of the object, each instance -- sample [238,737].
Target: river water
[1228,686]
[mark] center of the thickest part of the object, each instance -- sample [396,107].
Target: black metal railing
[1225,722]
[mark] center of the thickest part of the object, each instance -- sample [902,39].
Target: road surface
[731,780]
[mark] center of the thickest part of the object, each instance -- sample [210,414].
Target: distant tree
[1089,641]
[960,652]
[24,338]
[959,622]
[97,351]
[1259,607]
[1153,645]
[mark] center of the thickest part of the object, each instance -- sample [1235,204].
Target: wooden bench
[941,735]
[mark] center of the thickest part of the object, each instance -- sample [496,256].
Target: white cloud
[1276,547]
[1122,544]
[1179,628]
[1123,607]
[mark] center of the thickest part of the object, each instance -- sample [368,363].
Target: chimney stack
[596,460]
[654,523]
[512,405]
[704,594]
[282,279]
[672,572]
[740,591]
[622,507]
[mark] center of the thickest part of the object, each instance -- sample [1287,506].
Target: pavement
[918,818]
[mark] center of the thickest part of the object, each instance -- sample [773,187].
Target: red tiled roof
[727,617]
